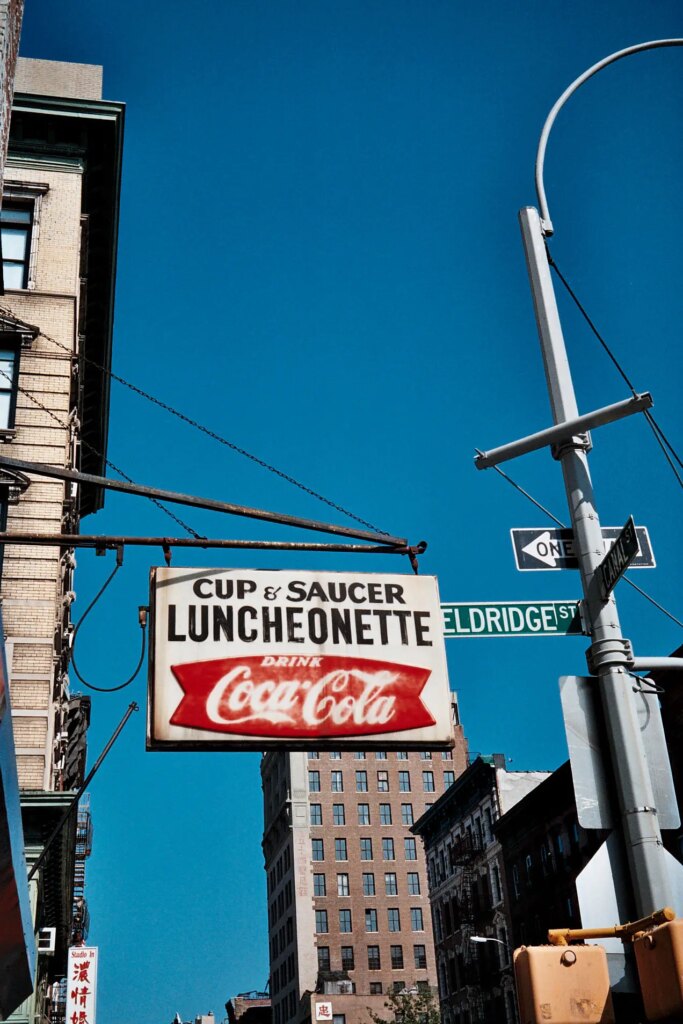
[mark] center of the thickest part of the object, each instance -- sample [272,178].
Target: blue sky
[320,259]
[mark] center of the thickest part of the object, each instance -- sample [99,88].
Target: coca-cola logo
[300,697]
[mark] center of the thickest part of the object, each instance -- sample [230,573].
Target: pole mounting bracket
[604,654]
[577,443]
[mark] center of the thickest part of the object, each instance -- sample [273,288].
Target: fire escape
[471,915]
[81,915]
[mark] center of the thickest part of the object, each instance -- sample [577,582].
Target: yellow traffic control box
[659,956]
[563,984]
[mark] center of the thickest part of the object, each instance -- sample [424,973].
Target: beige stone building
[348,902]
[59,230]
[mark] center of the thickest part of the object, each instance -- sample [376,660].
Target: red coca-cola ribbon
[293,697]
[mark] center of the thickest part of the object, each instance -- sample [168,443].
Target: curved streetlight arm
[654,44]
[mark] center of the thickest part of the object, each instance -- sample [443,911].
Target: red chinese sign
[82,985]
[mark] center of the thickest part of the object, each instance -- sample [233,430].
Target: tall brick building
[59,224]
[348,902]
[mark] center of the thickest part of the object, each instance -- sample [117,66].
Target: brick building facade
[348,907]
[59,227]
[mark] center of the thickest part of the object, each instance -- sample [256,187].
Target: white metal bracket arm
[562,433]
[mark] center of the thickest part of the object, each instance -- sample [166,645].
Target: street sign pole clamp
[577,443]
[616,653]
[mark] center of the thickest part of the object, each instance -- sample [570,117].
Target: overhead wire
[143,624]
[216,437]
[155,501]
[670,453]
[558,522]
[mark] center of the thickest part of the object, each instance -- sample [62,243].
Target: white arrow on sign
[541,549]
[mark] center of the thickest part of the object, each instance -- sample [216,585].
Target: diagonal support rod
[211,504]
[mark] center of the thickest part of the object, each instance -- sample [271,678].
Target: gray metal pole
[608,654]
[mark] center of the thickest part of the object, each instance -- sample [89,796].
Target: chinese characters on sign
[253,659]
[81,993]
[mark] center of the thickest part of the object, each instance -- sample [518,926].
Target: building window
[343,885]
[319,886]
[338,816]
[385,814]
[313,755]
[368,883]
[394,919]
[448,779]
[15,225]
[374,963]
[410,848]
[383,782]
[529,868]
[347,958]
[413,883]
[366,849]
[337,782]
[407,814]
[359,755]
[404,782]
[416,920]
[402,755]
[314,782]
[323,958]
[446,755]
[340,849]
[420,953]
[345,921]
[316,814]
[370,920]
[428,782]
[396,958]
[321,922]
[376,987]
[363,814]
[496,893]
[335,755]
[515,882]
[361,782]
[425,755]
[9,359]
[388,849]
[390,884]
[380,755]
[338,1018]
[318,852]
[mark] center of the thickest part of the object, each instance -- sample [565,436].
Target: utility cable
[143,624]
[526,494]
[81,790]
[216,437]
[659,434]
[559,523]
[183,525]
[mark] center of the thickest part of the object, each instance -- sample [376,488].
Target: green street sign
[511,618]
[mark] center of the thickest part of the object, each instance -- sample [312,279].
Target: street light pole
[609,652]
[610,658]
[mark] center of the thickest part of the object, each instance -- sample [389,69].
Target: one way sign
[554,549]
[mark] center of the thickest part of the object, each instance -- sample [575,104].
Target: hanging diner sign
[253,660]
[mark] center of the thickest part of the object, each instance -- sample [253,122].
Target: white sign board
[323,1011]
[255,660]
[81,992]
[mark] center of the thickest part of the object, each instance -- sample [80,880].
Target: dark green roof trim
[99,140]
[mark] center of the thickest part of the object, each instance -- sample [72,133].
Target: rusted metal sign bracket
[211,504]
